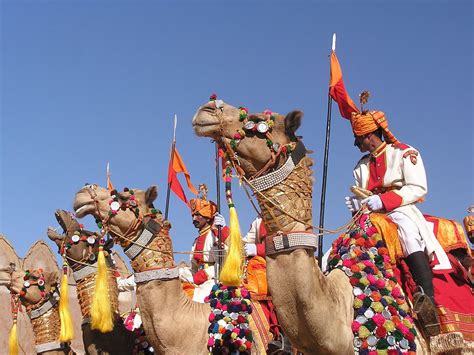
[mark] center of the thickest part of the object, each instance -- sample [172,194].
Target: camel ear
[292,123]
[150,195]
[55,236]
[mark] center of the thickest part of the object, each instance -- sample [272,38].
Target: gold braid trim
[293,195]
[47,326]
[85,292]
[157,254]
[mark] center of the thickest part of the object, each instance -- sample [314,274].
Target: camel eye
[91,186]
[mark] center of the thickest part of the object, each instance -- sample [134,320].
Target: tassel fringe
[67,328]
[13,340]
[101,310]
[231,274]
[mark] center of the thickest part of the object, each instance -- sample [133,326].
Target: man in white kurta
[395,174]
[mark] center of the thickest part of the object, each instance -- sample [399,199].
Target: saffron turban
[367,122]
[203,207]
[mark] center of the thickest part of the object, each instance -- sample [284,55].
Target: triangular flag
[338,91]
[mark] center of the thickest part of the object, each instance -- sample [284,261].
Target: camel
[309,298]
[10,261]
[40,266]
[173,323]
[26,336]
[81,257]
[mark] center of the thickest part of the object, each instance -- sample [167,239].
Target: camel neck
[85,292]
[156,253]
[287,206]
[47,326]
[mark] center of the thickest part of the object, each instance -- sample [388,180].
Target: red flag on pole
[177,166]
[337,90]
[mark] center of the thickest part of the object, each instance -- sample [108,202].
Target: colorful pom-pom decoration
[229,330]
[381,323]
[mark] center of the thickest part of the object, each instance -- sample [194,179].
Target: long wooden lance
[218,202]
[173,148]
[325,170]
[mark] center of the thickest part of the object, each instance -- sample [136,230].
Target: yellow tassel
[101,310]
[67,329]
[13,339]
[231,274]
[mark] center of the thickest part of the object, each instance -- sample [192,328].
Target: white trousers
[408,233]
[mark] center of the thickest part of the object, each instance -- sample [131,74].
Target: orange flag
[110,187]
[337,90]
[177,166]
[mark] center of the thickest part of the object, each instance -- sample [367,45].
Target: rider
[395,174]
[254,247]
[205,249]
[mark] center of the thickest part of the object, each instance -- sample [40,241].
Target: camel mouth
[205,121]
[83,209]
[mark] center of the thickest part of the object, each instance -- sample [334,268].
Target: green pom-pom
[382,344]
[370,325]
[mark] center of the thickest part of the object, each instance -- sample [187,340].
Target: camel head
[226,124]
[78,244]
[118,212]
[38,277]
[10,263]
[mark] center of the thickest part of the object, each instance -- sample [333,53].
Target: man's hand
[219,220]
[373,202]
[353,203]
[250,249]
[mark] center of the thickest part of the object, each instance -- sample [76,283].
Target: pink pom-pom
[380,283]
[347,263]
[396,292]
[355,326]
[210,342]
[378,319]
[372,279]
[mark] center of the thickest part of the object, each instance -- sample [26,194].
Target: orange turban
[367,122]
[203,207]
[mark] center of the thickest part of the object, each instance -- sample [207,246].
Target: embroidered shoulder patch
[413,156]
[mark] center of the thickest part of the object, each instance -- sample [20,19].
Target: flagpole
[325,170]
[173,147]
[218,202]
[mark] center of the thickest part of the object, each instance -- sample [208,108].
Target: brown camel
[40,271]
[81,257]
[309,298]
[26,336]
[10,261]
[173,323]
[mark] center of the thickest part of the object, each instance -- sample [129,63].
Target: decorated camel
[9,262]
[43,310]
[37,285]
[315,311]
[174,324]
[81,248]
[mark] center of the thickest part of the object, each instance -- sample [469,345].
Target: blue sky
[87,82]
